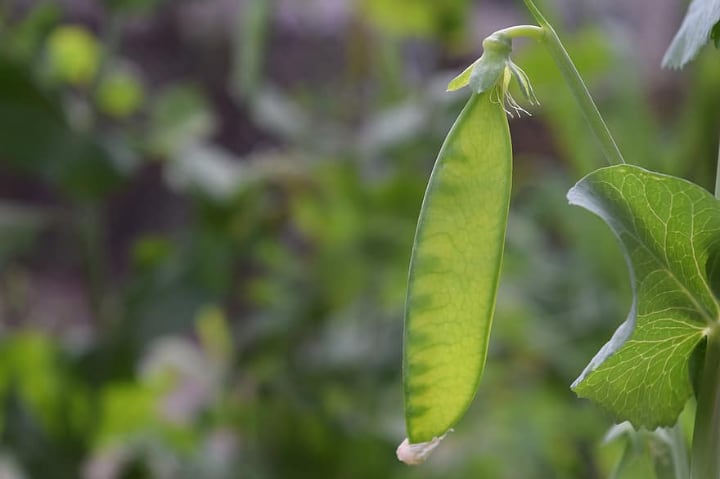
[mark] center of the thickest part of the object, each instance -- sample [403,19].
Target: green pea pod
[454,270]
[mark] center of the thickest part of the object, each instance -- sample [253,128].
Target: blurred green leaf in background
[73,55]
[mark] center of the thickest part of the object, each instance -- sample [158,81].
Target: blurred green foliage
[204,246]
[73,55]
[445,21]
[120,93]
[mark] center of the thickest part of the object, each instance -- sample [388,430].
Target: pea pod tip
[414,454]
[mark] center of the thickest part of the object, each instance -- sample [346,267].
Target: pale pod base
[414,454]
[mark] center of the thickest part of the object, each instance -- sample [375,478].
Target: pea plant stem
[679,452]
[529,31]
[717,175]
[705,455]
[550,38]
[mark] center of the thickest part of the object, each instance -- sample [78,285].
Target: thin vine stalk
[705,456]
[577,86]
[717,175]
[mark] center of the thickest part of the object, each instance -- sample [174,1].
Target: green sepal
[523,83]
[462,80]
[490,68]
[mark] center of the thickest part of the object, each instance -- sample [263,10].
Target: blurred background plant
[206,213]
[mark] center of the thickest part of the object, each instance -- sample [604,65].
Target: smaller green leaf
[668,228]
[694,33]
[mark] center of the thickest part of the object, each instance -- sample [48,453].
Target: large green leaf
[694,32]
[455,268]
[670,232]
